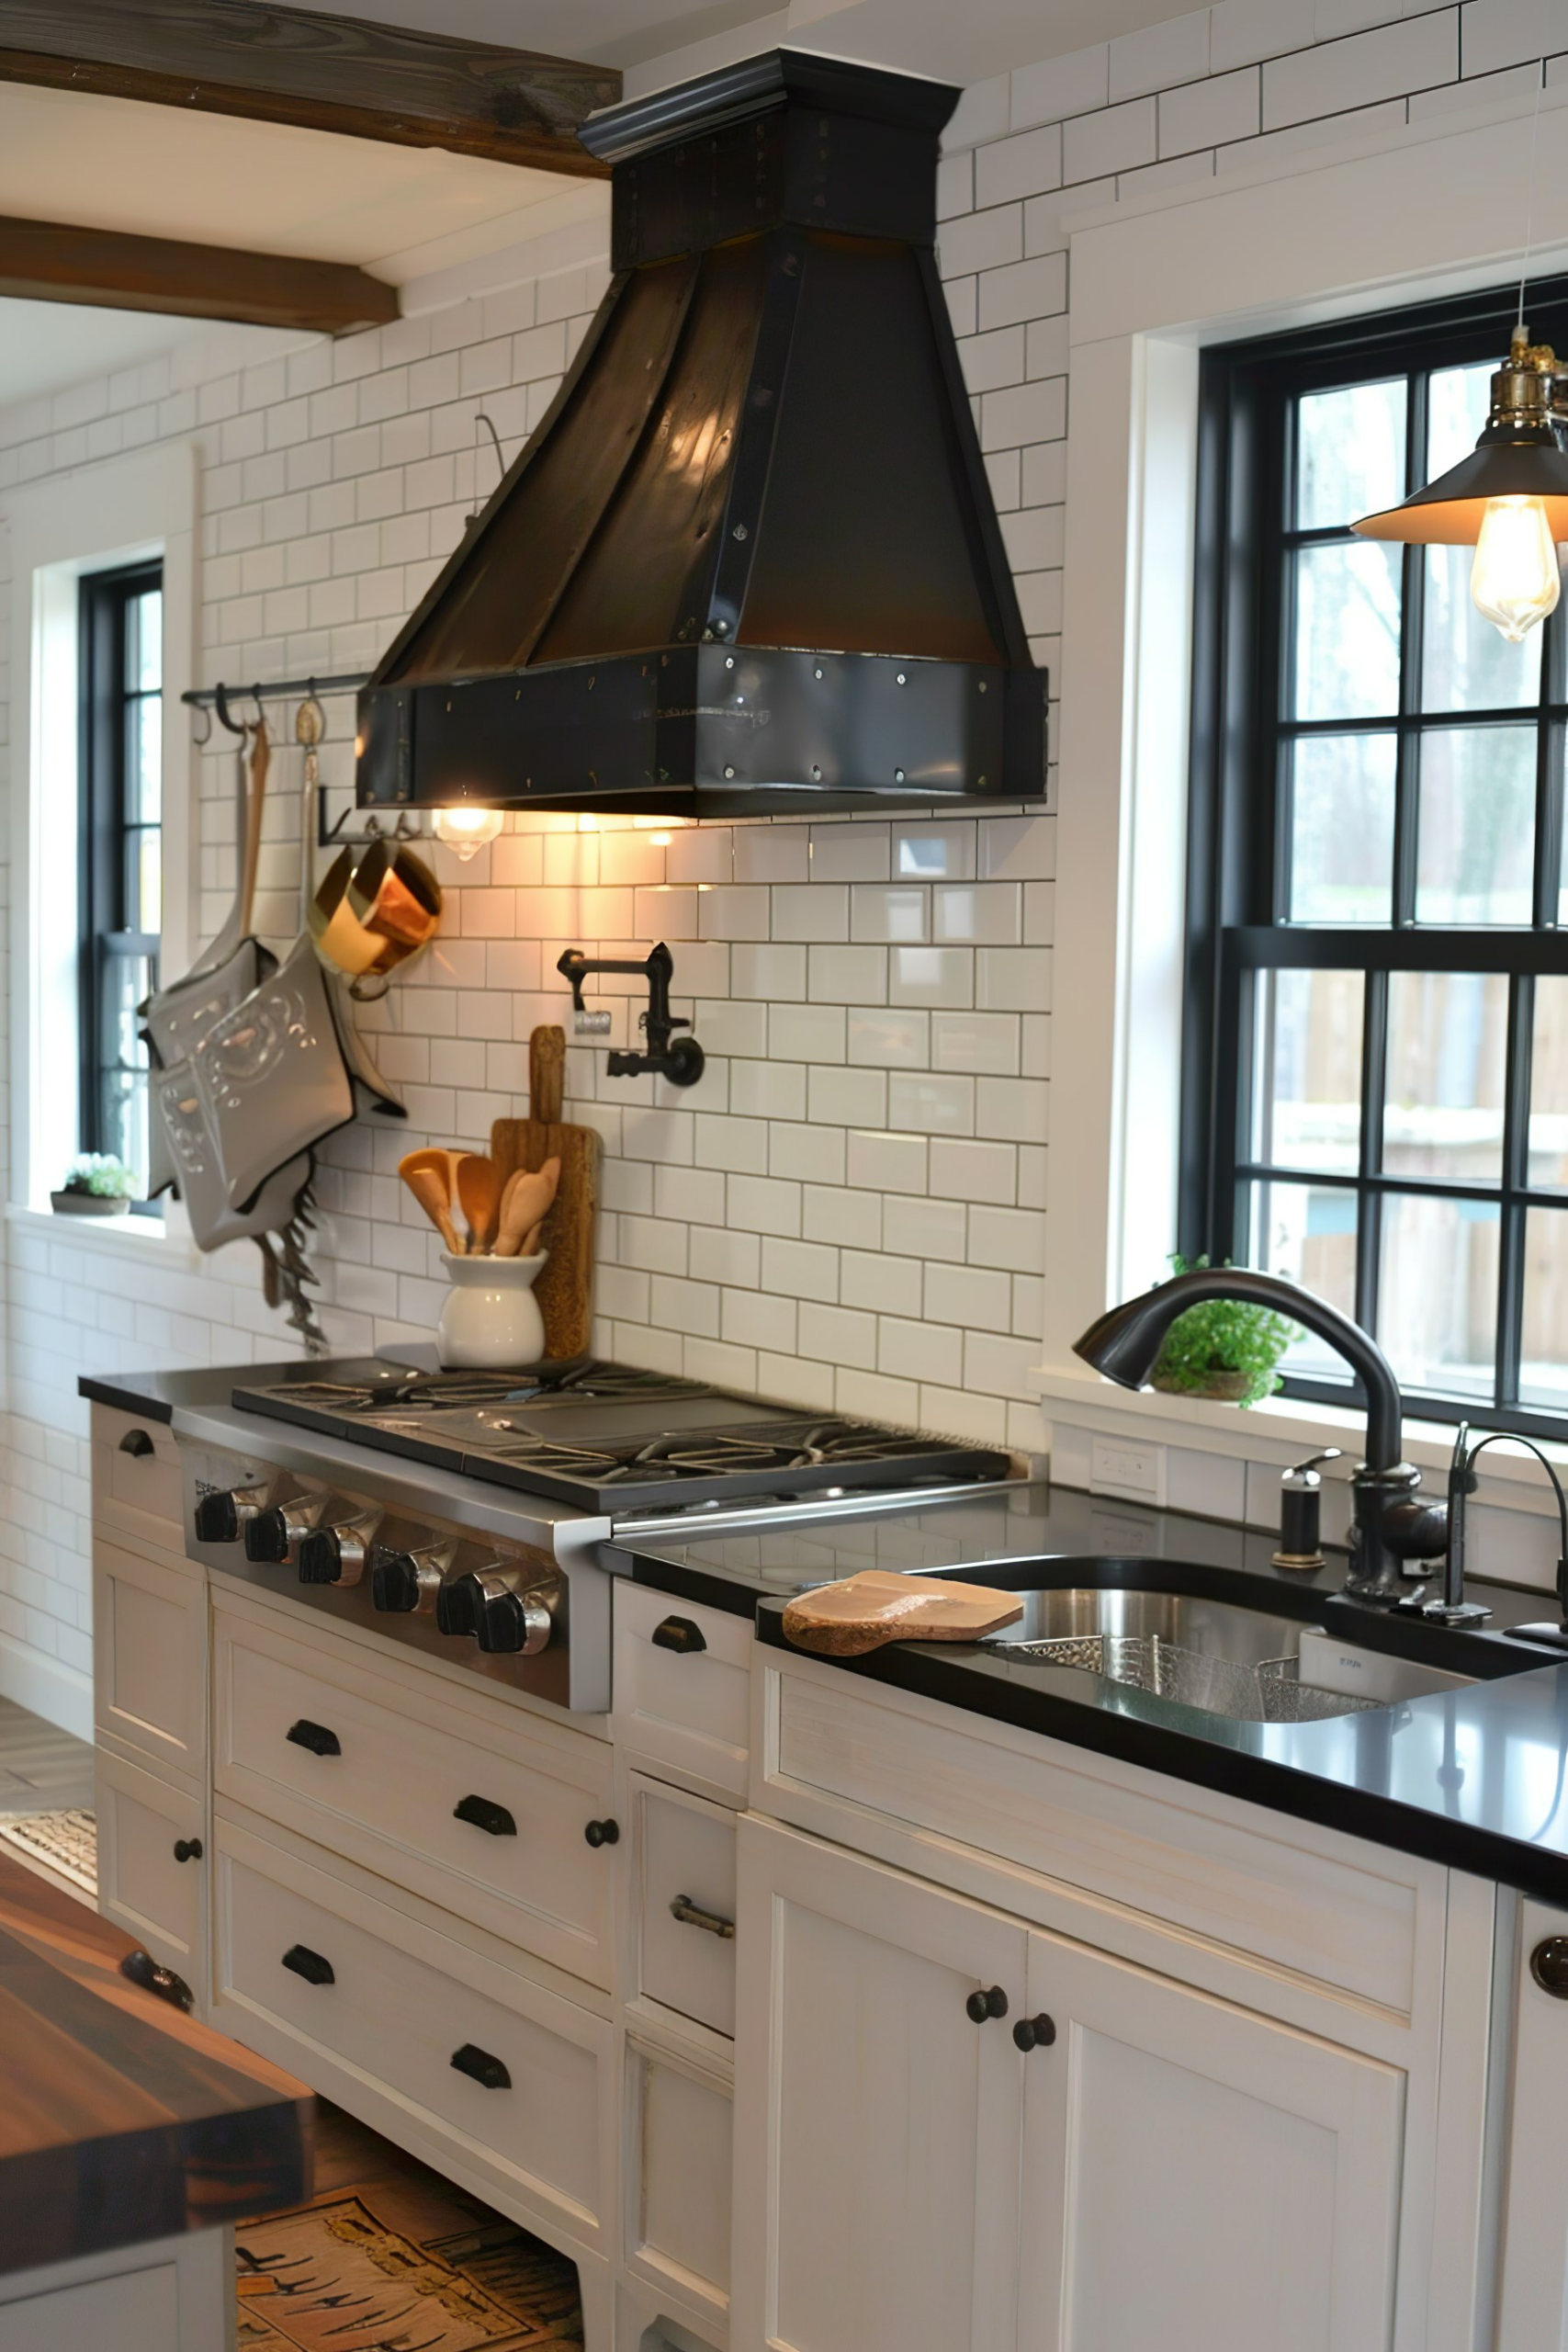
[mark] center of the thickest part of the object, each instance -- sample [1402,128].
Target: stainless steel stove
[480,1517]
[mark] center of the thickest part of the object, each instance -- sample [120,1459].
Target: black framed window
[1376,1053]
[121,843]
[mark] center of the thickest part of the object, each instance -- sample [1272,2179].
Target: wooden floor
[42,1770]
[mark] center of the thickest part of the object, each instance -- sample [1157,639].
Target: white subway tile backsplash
[848,975]
[1030,289]
[811,910]
[1359,71]
[879,1285]
[850,853]
[931,976]
[1204,113]
[1077,83]
[1115,141]
[962,1169]
[772,854]
[888,1036]
[764,1205]
[977,913]
[833,1214]
[815,1155]
[923,1228]
[1026,164]
[933,851]
[890,913]
[806,1033]
[1243,32]
[968,1296]
[921,1350]
[886,1162]
[927,1104]
[978,240]
[1494,33]
[1159,55]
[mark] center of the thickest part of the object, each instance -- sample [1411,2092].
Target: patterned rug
[66,1843]
[398,2260]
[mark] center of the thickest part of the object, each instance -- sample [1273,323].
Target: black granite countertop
[1473,1778]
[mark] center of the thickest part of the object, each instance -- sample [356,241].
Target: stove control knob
[272,1536]
[219,1517]
[337,1554]
[407,1584]
[505,1618]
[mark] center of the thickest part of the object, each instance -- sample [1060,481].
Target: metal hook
[256,698]
[480,418]
[220,703]
[201,741]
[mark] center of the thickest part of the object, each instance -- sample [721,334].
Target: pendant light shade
[1508,499]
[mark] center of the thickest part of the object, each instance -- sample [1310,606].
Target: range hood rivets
[729,772]
[740,532]
[982,685]
[816,775]
[901,680]
[816,673]
[898,775]
[729,661]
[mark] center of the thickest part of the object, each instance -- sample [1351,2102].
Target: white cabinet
[1195,2176]
[877,2126]
[149,1663]
[1533,2287]
[1161,2167]
[153,1868]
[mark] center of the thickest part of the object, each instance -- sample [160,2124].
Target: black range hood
[749,561]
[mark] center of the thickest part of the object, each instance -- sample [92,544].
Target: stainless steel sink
[1215,1654]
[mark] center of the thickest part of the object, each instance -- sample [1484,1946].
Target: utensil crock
[491,1319]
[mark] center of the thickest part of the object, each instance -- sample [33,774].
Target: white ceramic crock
[490,1321]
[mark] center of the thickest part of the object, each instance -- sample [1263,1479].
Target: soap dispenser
[1301,1513]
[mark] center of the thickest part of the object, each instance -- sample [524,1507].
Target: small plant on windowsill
[1223,1348]
[96,1184]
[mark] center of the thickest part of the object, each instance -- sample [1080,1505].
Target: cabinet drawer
[678,2185]
[481,1808]
[136,1477]
[150,1657]
[143,1885]
[684,1853]
[369,1991]
[682,1684]
[1340,1914]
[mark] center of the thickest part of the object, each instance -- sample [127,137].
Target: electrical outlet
[1121,1466]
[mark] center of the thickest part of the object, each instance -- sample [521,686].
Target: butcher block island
[526,1834]
[131,2136]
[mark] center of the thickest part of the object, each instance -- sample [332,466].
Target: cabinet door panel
[878,2125]
[150,1627]
[142,1887]
[1533,2290]
[1197,2176]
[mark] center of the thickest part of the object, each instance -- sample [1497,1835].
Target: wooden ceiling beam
[46,261]
[317,71]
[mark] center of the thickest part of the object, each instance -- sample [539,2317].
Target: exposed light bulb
[467,829]
[1515,581]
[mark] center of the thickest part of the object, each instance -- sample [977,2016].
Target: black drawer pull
[140,1968]
[187,1850]
[678,1634]
[316,1738]
[138,1443]
[1035,2033]
[1549,1966]
[308,1964]
[980,2007]
[493,1819]
[602,1833]
[691,1915]
[482,2068]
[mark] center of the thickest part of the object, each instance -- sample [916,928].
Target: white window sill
[1281,1430]
[155,1241]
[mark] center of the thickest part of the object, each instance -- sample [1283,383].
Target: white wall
[849,1209]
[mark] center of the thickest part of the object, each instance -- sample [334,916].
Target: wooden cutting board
[846,1620]
[565,1288]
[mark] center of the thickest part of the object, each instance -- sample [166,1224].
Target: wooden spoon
[428,1178]
[479,1191]
[524,1204]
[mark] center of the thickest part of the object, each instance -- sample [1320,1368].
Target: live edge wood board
[565,1288]
[122,2120]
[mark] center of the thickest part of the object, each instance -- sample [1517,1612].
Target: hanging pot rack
[222,698]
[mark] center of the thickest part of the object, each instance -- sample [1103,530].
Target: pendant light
[1508,499]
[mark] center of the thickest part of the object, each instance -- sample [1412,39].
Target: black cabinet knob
[1035,2033]
[187,1850]
[1549,1966]
[981,2006]
[138,1443]
[678,1634]
[493,1819]
[394,1582]
[315,1736]
[308,1964]
[603,1833]
[139,1968]
[482,2068]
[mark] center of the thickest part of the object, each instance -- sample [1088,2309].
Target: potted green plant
[96,1184]
[1223,1348]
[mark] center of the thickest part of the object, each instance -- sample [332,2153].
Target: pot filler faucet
[680,1060]
[1125,1341]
